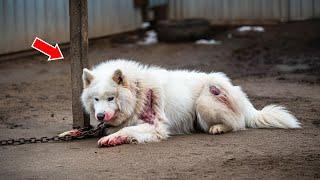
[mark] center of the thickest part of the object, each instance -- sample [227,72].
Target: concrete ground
[279,66]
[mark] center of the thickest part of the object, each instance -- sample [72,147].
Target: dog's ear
[119,78]
[87,77]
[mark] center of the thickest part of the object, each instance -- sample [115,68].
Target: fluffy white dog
[148,104]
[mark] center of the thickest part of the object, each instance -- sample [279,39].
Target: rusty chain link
[84,133]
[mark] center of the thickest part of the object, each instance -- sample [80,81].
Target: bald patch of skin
[221,97]
[214,90]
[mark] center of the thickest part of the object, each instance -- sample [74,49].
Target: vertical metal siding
[316,8]
[153,3]
[241,11]
[22,20]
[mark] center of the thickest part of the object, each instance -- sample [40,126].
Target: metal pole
[78,12]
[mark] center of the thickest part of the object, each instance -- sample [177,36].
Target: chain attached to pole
[84,133]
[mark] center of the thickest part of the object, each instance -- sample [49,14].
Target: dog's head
[108,97]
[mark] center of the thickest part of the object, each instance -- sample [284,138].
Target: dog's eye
[110,98]
[96,99]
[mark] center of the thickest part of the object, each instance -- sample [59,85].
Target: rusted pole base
[78,12]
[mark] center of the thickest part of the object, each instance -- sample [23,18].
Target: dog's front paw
[73,133]
[113,140]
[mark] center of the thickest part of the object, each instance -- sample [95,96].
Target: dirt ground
[279,66]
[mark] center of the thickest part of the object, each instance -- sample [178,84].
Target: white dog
[148,104]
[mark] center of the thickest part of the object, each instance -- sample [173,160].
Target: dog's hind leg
[217,110]
[219,129]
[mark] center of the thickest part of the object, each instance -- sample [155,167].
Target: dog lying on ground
[148,104]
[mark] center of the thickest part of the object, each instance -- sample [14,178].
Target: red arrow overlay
[53,52]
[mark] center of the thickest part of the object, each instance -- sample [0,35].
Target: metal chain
[84,133]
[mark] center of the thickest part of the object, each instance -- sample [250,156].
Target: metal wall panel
[112,16]
[153,3]
[22,20]
[245,11]
[316,8]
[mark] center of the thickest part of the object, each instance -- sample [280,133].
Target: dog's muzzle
[100,116]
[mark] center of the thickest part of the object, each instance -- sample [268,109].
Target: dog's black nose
[100,116]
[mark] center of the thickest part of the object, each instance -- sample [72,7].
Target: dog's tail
[272,116]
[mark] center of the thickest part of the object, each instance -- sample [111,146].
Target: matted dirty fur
[148,103]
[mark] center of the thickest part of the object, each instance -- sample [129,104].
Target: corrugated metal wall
[245,11]
[22,20]
[153,3]
[112,16]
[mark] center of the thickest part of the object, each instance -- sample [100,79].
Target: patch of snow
[152,33]
[244,28]
[145,25]
[258,29]
[251,28]
[151,38]
[208,42]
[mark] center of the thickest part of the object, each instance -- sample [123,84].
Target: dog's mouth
[108,117]
[112,118]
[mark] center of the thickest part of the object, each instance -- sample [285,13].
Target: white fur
[183,97]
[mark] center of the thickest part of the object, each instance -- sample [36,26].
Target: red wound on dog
[148,113]
[214,90]
[75,133]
